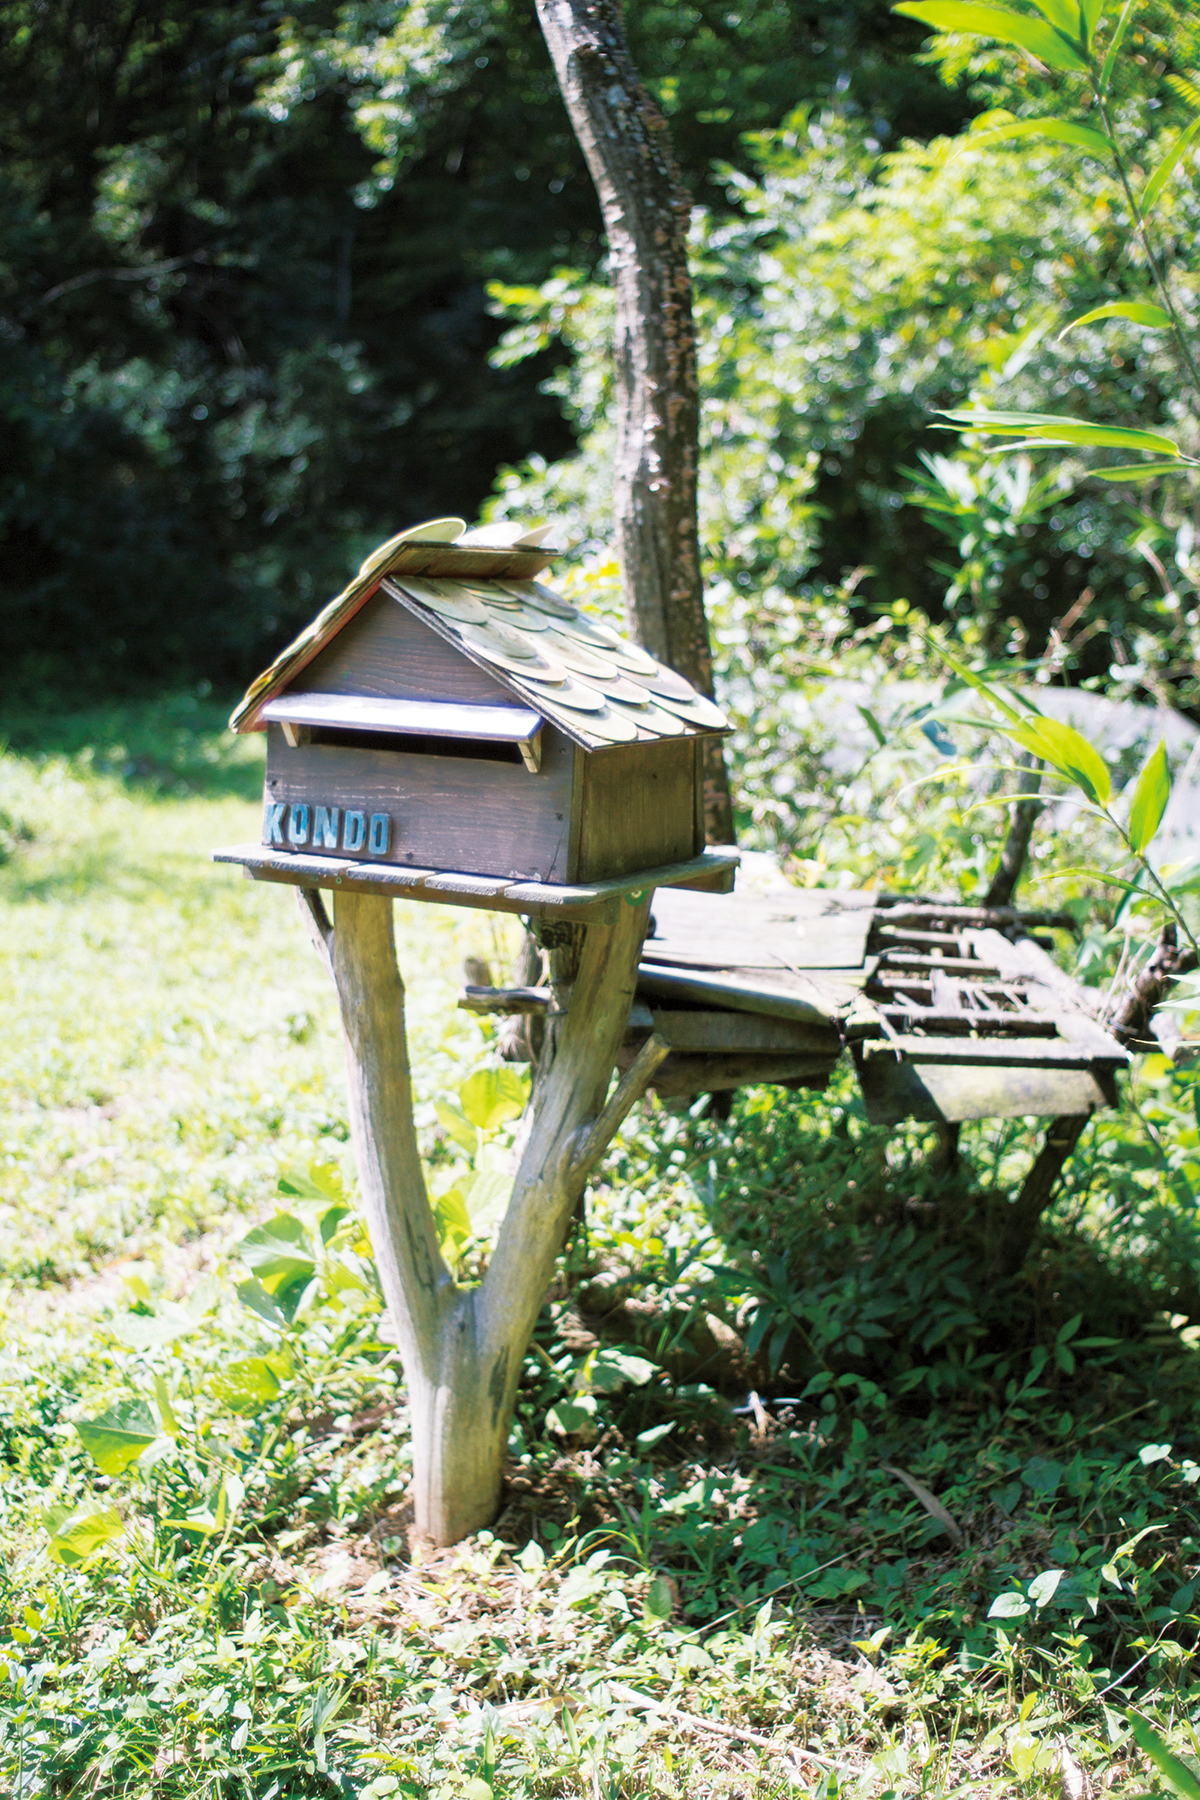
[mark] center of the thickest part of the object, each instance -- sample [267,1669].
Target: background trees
[244,258]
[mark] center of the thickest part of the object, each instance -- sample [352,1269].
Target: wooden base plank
[681,1076]
[945,1092]
[695,1032]
[591,903]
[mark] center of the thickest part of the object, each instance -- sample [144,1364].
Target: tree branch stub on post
[646,210]
[463,1348]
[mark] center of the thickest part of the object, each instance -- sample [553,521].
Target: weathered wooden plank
[680,1076]
[695,1032]
[386,651]
[1032,1052]
[817,998]
[895,1090]
[769,931]
[504,1000]
[429,718]
[596,903]
[981,917]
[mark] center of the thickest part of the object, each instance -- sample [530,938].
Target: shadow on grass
[174,746]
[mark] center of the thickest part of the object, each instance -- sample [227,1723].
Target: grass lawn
[940,1541]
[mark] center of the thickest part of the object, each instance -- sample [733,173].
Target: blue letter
[377,843]
[326,828]
[354,831]
[298,825]
[272,822]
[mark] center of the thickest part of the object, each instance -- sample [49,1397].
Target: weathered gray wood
[680,1076]
[894,1090]
[693,1032]
[959,1021]
[817,998]
[478,815]
[638,809]
[429,718]
[805,930]
[1013,1226]
[593,1140]
[462,1348]
[473,803]
[387,651]
[1033,1052]
[504,1000]
[593,902]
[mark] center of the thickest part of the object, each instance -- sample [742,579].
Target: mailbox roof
[483,598]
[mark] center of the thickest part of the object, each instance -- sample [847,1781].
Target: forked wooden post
[462,1348]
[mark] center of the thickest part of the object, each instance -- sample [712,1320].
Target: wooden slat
[892,960]
[818,997]
[432,718]
[509,1001]
[1036,1053]
[596,902]
[695,1032]
[680,1076]
[962,1022]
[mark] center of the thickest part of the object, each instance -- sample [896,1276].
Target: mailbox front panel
[480,813]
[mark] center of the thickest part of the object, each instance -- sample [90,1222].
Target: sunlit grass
[169,1037]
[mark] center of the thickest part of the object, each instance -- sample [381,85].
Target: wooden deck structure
[949,1012]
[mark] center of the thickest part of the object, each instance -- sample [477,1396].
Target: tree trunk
[1016,844]
[625,139]
[462,1348]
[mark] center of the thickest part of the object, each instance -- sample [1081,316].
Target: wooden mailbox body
[390,743]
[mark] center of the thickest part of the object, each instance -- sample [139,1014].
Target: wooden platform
[949,1012]
[596,902]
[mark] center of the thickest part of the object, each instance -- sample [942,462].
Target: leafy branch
[1067,38]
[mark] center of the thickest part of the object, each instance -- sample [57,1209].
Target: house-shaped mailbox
[449,711]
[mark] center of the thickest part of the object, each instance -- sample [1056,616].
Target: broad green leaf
[660,1600]
[1062,14]
[1142,312]
[487,1194]
[1077,758]
[1174,1772]
[575,1414]
[654,1434]
[607,1371]
[1043,1587]
[117,1438]
[1118,37]
[1064,430]
[254,1295]
[139,1331]
[279,1252]
[490,1097]
[1039,40]
[166,1412]
[77,1535]
[1150,798]
[1167,166]
[1062,131]
[319,1181]
[246,1384]
[1092,11]
[1139,471]
[201,1519]
[1009,1606]
[458,1125]
[451,1222]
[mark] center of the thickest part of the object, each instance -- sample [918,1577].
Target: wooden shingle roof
[485,600]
